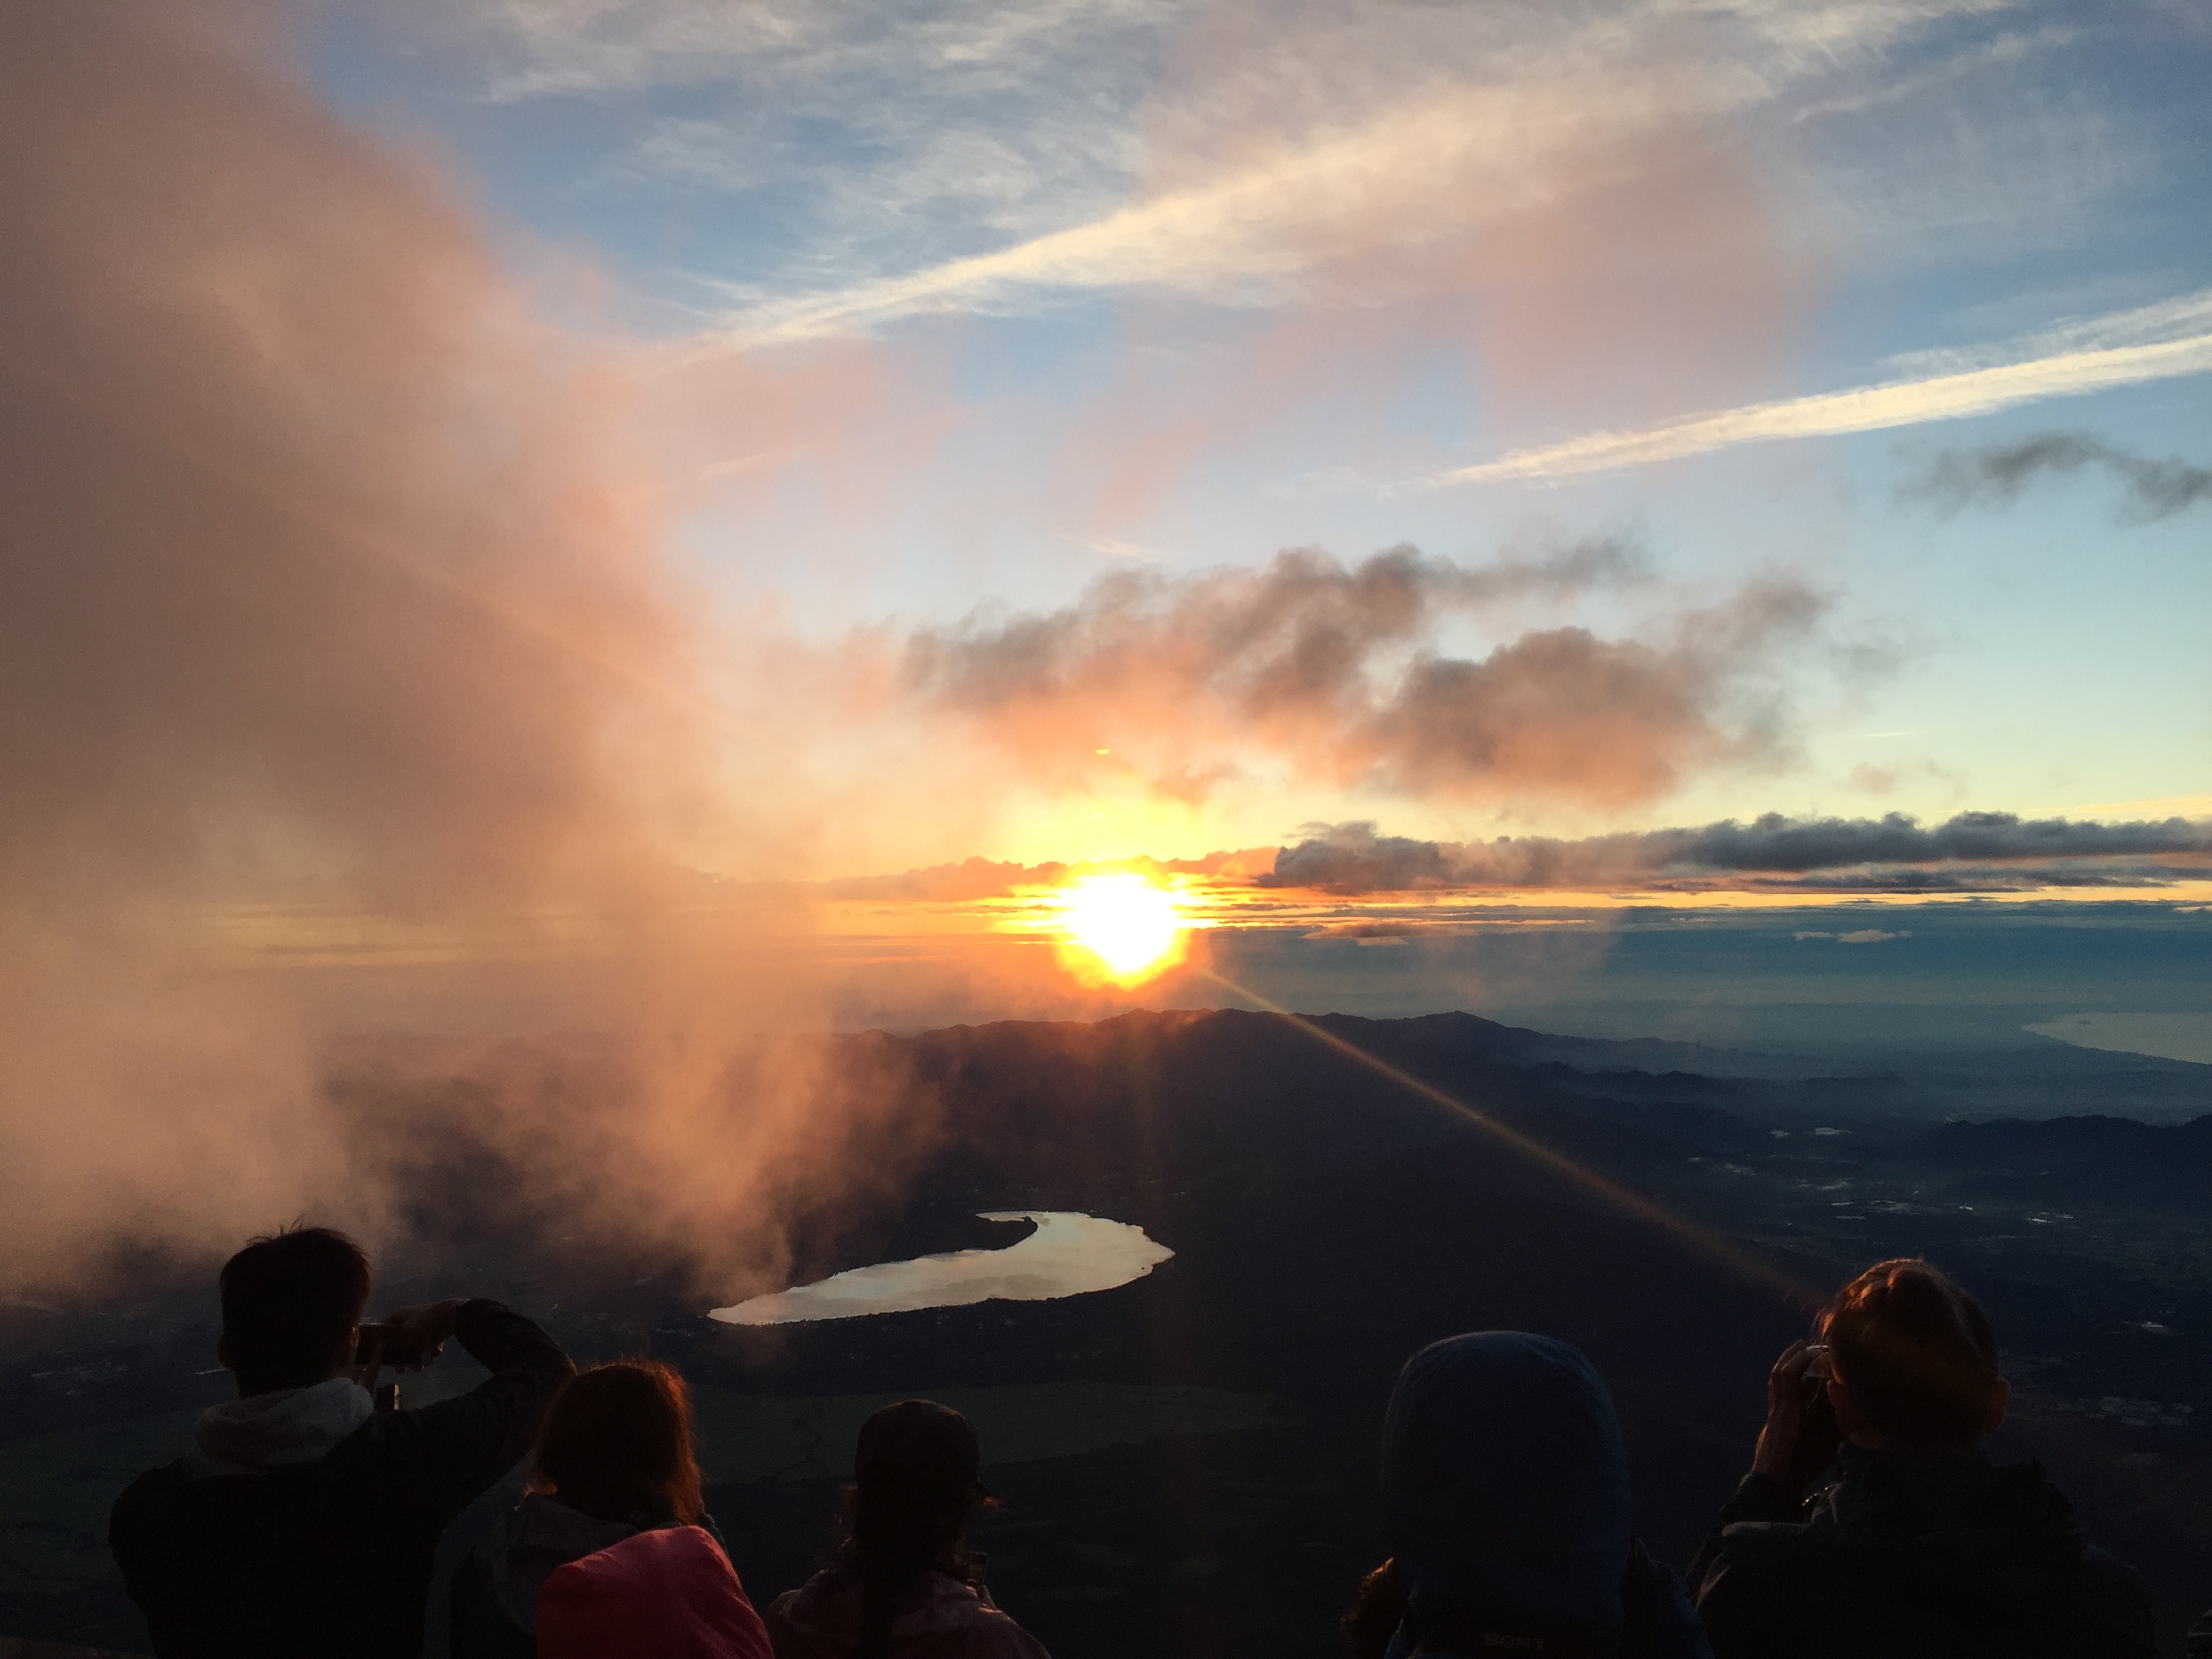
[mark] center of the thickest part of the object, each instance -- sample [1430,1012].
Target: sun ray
[1707,1243]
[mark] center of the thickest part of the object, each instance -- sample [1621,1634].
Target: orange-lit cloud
[1332,671]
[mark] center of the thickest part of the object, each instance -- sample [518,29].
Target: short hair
[616,1443]
[288,1299]
[1916,1353]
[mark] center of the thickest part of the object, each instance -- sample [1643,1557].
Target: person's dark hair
[616,1445]
[288,1300]
[1916,1353]
[914,1489]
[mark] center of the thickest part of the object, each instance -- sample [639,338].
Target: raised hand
[1785,1408]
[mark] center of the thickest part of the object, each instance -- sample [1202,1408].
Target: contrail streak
[1862,409]
[1635,1205]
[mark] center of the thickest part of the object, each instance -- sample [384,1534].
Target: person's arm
[457,1447]
[1766,1493]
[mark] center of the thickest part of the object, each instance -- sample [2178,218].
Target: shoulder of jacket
[156,1490]
[1784,1557]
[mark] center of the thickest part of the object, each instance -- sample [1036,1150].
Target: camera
[386,1344]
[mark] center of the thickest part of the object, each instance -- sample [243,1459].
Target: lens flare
[1121,927]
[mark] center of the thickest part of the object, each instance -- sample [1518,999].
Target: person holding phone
[1872,1523]
[304,1520]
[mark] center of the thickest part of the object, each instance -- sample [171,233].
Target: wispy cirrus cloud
[1955,395]
[1256,151]
[1245,234]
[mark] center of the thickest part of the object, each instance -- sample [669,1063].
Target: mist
[346,703]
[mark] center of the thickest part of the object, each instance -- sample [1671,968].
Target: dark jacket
[329,1556]
[1505,1497]
[2200,1638]
[1913,1558]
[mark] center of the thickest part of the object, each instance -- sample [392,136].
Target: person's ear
[223,1354]
[344,1360]
[1998,1401]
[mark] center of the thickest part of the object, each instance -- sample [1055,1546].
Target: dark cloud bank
[1974,851]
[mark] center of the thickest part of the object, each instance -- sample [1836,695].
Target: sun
[1125,925]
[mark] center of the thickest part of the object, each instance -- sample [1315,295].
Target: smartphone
[386,1345]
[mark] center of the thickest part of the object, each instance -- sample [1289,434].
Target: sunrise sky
[1842,368]
[699,521]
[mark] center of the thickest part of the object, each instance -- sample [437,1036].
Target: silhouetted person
[1913,1545]
[559,1572]
[303,1521]
[904,1585]
[1505,1497]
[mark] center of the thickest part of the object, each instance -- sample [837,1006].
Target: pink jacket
[941,1618]
[666,1595]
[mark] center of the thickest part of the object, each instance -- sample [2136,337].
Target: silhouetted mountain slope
[1328,1221]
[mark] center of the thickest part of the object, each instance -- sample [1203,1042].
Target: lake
[1070,1254]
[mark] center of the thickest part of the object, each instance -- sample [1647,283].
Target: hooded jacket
[1913,1558]
[495,1589]
[304,1521]
[667,1594]
[942,1617]
[494,1593]
[1506,1495]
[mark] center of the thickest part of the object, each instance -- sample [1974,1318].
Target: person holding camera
[1912,1543]
[304,1519]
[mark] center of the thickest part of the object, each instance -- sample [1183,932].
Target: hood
[821,1619]
[1505,1484]
[668,1593]
[2000,1534]
[266,1431]
[525,1545]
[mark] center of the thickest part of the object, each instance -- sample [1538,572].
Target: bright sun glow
[1129,925]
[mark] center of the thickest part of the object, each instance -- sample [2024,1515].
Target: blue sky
[1056,291]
